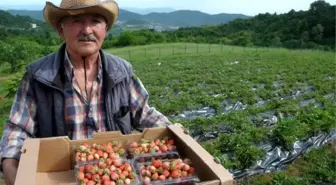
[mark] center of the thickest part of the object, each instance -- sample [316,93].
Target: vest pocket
[123,119]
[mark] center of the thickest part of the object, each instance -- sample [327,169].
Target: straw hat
[108,8]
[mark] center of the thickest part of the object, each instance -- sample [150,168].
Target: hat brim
[109,9]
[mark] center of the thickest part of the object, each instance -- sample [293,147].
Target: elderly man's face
[83,34]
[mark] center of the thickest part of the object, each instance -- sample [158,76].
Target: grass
[183,77]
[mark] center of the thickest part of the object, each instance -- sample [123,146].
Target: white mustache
[87,38]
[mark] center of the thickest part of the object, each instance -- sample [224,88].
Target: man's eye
[96,21]
[75,21]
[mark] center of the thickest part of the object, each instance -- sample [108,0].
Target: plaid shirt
[23,111]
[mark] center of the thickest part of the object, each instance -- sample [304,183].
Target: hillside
[182,18]
[295,29]
[10,21]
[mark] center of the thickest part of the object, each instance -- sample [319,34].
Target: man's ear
[59,29]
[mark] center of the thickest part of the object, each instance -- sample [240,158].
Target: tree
[317,32]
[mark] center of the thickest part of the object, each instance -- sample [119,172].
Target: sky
[247,7]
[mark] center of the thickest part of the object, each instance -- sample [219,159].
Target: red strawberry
[122,176]
[162,177]
[157,141]
[171,142]
[184,174]
[80,176]
[155,176]
[126,173]
[164,148]
[100,153]
[186,167]
[96,156]
[107,182]
[117,163]
[113,156]
[152,169]
[156,163]
[88,176]
[114,176]
[105,177]
[191,170]
[90,183]
[176,174]
[90,157]
[166,165]
[134,144]
[166,173]
[112,168]
[96,178]
[81,169]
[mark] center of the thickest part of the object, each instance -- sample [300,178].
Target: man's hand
[10,167]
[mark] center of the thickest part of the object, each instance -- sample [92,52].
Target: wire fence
[161,50]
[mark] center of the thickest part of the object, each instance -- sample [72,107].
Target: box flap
[106,135]
[28,162]
[59,178]
[222,174]
[54,155]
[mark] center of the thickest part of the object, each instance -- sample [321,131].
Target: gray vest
[47,83]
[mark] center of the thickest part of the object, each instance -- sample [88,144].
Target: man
[78,90]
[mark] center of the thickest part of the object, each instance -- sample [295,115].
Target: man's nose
[87,28]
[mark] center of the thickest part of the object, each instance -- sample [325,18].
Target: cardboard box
[50,160]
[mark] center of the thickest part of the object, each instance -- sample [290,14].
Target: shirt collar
[70,72]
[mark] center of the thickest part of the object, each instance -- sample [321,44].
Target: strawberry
[157,141]
[127,181]
[96,156]
[147,180]
[117,162]
[166,165]
[105,177]
[162,177]
[113,156]
[109,161]
[112,168]
[107,182]
[81,169]
[105,155]
[186,167]
[106,171]
[152,169]
[120,182]
[155,176]
[184,174]
[121,152]
[88,176]
[96,178]
[90,183]
[156,163]
[134,144]
[176,174]
[122,176]
[166,173]
[80,176]
[90,157]
[191,170]
[164,148]
[125,173]
[100,153]
[171,142]
[114,176]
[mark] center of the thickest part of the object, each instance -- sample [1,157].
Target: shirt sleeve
[20,124]
[143,115]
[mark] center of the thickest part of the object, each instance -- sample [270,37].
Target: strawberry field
[255,110]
